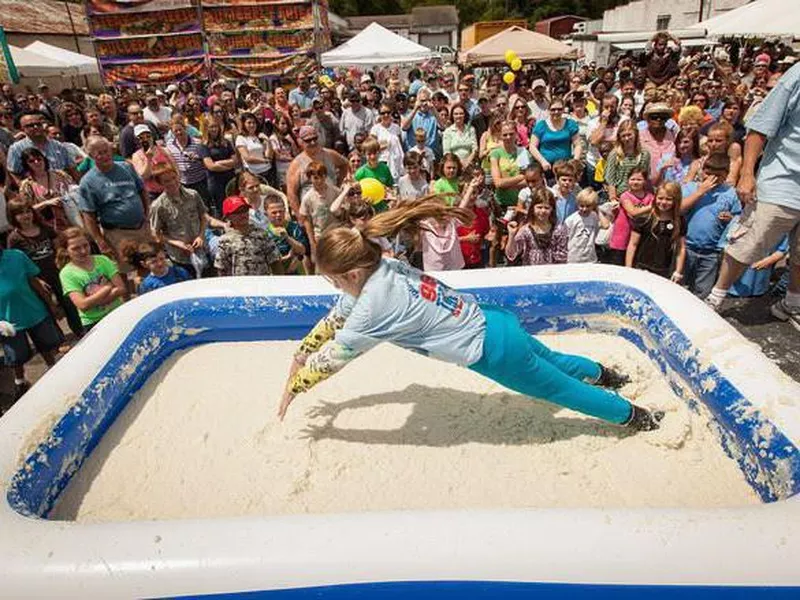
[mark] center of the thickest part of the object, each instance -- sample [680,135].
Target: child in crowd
[92,282]
[534,179]
[634,203]
[604,149]
[564,190]
[755,281]
[374,168]
[658,241]
[386,300]
[38,242]
[449,183]
[675,167]
[719,141]
[287,235]
[413,184]
[152,257]
[708,206]
[245,249]
[583,227]
[439,240]
[542,240]
[316,202]
[354,160]
[426,155]
[352,210]
[472,236]
[626,156]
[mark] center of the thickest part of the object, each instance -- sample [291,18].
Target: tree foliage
[470,11]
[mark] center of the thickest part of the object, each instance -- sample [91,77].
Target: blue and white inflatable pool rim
[568,553]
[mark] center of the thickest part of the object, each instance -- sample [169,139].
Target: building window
[662,22]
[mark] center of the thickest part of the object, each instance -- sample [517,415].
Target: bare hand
[287,399]
[746,188]
[709,183]
[198,243]
[513,226]
[762,264]
[725,216]
[546,166]
[676,277]
[107,250]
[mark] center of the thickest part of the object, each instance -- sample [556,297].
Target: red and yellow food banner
[147,41]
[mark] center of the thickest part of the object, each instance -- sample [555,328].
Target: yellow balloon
[516,64]
[509,77]
[372,189]
[510,56]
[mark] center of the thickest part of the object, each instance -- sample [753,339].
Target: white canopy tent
[79,64]
[762,18]
[376,45]
[30,64]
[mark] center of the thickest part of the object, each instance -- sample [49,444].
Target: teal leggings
[516,360]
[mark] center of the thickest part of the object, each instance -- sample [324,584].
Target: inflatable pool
[555,552]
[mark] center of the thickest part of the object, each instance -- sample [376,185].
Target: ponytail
[342,249]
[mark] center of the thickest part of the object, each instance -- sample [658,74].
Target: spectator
[23,308]
[44,189]
[626,156]
[113,200]
[775,129]
[37,241]
[302,96]
[460,138]
[297,184]
[388,135]
[253,147]
[540,241]
[92,282]
[708,206]
[187,153]
[127,138]
[555,137]
[660,59]
[539,105]
[245,250]
[656,139]
[355,119]
[324,123]
[147,157]
[220,160]
[178,219]
[34,127]
[422,117]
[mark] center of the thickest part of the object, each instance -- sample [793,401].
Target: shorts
[760,229]
[45,336]
[115,237]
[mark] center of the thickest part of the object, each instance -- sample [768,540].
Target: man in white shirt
[157,114]
[540,105]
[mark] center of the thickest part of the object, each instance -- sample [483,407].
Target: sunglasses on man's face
[658,117]
[385,112]
[34,124]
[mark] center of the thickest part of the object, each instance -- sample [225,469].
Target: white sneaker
[714,303]
[782,311]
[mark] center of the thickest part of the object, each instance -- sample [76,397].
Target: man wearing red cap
[246,250]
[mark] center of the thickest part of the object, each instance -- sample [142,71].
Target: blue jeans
[700,271]
[513,358]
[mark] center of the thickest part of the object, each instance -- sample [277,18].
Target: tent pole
[75,37]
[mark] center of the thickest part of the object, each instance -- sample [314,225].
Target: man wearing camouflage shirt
[246,250]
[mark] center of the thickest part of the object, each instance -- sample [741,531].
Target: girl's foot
[642,419]
[611,378]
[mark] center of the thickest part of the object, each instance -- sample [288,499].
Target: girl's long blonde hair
[627,125]
[342,249]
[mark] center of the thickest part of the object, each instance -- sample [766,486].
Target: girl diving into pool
[385,300]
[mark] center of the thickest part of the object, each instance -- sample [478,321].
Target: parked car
[447,53]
